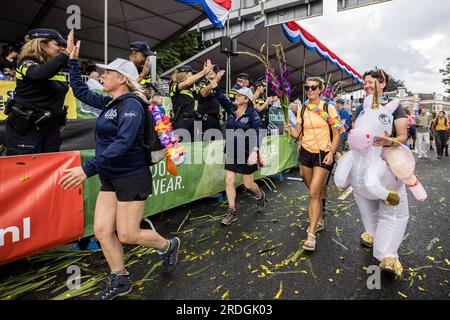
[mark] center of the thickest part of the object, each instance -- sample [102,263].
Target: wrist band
[394,141]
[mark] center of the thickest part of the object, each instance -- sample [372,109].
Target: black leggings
[441,142]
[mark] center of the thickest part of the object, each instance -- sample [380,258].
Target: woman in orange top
[319,142]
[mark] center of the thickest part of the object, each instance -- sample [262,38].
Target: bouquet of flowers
[277,80]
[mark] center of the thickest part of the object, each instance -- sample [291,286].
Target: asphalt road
[260,256]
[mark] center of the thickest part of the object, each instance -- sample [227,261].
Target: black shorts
[241,168]
[312,160]
[136,187]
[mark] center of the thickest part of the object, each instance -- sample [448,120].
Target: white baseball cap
[247,93]
[122,66]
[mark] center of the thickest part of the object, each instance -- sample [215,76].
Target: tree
[183,48]
[394,84]
[446,74]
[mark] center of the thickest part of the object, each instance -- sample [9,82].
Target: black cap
[340,101]
[185,68]
[244,76]
[143,47]
[260,81]
[47,34]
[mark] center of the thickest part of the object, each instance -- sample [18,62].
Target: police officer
[37,111]
[261,102]
[140,56]
[182,91]
[208,106]
[242,81]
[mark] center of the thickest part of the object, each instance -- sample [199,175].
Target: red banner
[35,212]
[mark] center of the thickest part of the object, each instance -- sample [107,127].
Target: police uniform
[140,46]
[208,108]
[37,110]
[183,105]
[233,92]
[264,114]
[146,82]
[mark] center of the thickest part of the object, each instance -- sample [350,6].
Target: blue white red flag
[216,10]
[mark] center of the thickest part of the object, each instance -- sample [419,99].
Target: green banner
[202,175]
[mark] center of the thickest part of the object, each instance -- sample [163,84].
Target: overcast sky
[410,39]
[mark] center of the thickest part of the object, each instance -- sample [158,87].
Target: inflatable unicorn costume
[378,176]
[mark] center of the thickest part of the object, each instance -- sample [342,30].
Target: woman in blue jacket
[241,145]
[120,161]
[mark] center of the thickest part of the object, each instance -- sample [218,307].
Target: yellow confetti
[25,179]
[431,258]
[277,296]
[225,295]
[402,294]
[338,271]
[218,288]
[446,261]
[296,292]
[248,254]
[421,289]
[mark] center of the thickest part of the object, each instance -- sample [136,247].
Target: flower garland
[174,151]
[334,122]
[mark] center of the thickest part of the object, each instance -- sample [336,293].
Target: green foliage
[180,50]
[446,74]
[394,84]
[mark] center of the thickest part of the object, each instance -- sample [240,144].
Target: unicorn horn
[375,103]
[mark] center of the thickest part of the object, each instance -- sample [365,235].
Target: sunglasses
[312,88]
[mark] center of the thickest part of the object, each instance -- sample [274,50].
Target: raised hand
[76,51]
[70,42]
[219,76]
[207,67]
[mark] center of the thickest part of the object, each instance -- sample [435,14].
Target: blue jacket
[249,121]
[119,131]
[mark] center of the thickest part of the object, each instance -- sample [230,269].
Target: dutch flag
[216,10]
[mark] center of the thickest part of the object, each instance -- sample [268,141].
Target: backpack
[154,150]
[436,122]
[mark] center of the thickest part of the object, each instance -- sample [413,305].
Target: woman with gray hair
[121,162]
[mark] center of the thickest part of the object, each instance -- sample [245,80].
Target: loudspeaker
[226,45]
